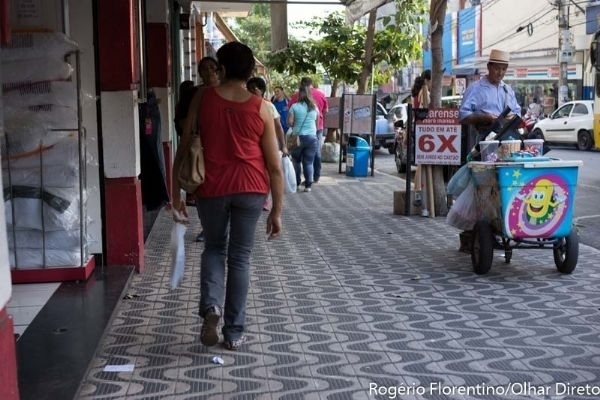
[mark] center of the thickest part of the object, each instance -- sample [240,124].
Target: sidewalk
[353,302]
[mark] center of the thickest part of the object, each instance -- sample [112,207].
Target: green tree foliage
[340,48]
[255,31]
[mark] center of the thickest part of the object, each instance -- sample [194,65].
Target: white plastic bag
[177,254]
[463,213]
[459,181]
[289,174]
[330,152]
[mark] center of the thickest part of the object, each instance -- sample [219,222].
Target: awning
[465,71]
[230,37]
[355,9]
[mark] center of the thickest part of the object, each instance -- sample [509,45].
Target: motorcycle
[400,150]
[526,126]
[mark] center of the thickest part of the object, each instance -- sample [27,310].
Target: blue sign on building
[467,35]
[592,19]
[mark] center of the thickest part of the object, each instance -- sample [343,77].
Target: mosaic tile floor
[354,302]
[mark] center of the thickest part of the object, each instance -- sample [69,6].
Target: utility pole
[565,51]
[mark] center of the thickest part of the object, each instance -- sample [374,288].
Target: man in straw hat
[482,103]
[485,99]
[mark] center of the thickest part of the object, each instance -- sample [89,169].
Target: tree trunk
[437,15]
[367,67]
[334,87]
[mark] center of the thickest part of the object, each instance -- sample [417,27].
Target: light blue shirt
[305,120]
[483,97]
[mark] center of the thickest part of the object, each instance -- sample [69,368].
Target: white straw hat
[499,56]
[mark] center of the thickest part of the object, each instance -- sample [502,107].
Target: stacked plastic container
[41,153]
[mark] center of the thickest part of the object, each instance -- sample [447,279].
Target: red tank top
[231,133]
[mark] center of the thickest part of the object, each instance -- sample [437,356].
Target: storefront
[542,83]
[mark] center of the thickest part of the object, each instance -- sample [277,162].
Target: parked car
[384,130]
[571,123]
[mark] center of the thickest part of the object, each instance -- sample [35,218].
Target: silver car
[571,123]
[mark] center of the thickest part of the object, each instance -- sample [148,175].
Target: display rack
[57,249]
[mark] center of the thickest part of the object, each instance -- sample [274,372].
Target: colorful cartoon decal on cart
[538,208]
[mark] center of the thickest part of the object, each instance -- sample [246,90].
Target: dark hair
[185,86]
[426,74]
[306,81]
[305,97]
[258,83]
[417,85]
[279,87]
[206,59]
[237,61]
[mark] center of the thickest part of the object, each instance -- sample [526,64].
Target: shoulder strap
[306,116]
[196,124]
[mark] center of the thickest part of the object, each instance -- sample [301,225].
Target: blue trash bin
[357,157]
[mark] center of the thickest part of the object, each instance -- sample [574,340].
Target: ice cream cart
[525,203]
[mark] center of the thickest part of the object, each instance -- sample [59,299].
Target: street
[587,204]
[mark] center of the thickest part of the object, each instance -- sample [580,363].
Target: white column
[120,124]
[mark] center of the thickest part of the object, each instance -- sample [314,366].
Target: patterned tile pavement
[354,302]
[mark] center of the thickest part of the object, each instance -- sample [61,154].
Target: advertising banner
[332,116]
[359,114]
[438,138]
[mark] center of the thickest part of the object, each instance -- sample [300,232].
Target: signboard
[460,85]
[332,116]
[437,138]
[592,17]
[359,114]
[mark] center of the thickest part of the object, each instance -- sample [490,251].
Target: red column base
[124,222]
[9,384]
[54,274]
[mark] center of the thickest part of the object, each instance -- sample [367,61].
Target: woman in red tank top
[242,164]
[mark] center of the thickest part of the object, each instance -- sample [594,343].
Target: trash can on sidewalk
[357,157]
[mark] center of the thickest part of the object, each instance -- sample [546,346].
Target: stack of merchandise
[41,152]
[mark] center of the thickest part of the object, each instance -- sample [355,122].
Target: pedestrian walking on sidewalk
[320,100]
[303,120]
[258,86]
[242,164]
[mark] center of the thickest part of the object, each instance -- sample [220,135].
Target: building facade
[531,32]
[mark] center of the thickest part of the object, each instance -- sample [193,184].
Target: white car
[571,123]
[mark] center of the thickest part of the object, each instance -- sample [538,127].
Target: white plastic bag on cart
[463,213]
[177,254]
[289,174]
[459,181]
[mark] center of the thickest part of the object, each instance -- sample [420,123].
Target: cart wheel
[507,255]
[482,251]
[566,253]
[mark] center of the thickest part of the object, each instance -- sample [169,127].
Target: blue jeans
[317,162]
[229,224]
[305,154]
